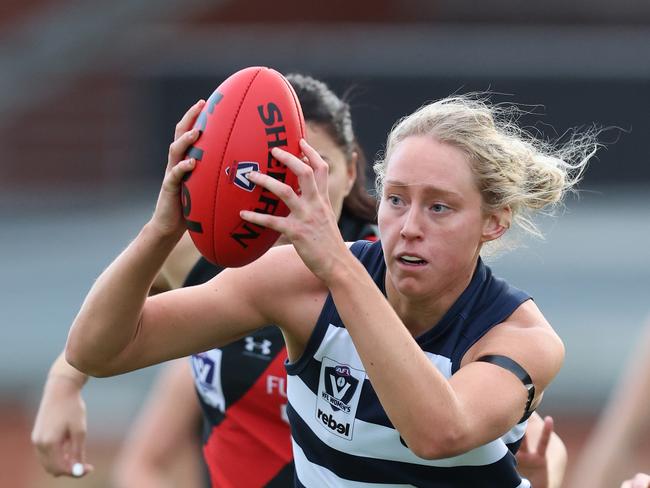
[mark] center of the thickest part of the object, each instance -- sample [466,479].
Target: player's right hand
[59,433]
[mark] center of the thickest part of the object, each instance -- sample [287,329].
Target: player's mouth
[411,260]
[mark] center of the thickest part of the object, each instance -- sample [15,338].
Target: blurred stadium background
[90,92]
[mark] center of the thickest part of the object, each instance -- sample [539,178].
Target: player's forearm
[150,454]
[600,468]
[605,460]
[109,317]
[398,369]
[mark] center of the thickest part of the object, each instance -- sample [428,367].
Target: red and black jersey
[243,395]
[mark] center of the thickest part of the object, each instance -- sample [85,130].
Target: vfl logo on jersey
[340,385]
[238,175]
[206,368]
[339,389]
[259,349]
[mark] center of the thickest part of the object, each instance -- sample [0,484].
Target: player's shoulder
[528,338]
[527,323]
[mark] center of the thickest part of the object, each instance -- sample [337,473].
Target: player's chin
[411,285]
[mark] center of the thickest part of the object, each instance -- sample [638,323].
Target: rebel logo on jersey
[338,397]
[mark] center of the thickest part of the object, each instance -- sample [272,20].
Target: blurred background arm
[163,445]
[59,433]
[610,452]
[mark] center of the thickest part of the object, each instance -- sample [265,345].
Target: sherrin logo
[267,202]
[339,389]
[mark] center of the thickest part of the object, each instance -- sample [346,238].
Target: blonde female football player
[410,362]
[438,359]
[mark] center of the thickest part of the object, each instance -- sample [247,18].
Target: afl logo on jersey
[339,389]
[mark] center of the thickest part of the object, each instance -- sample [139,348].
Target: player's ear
[351,172]
[496,223]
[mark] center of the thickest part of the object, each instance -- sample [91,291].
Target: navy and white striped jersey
[341,435]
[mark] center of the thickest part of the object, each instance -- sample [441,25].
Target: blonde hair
[512,167]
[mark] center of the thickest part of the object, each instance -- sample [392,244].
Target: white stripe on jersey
[314,476]
[377,441]
[338,339]
[516,433]
[442,363]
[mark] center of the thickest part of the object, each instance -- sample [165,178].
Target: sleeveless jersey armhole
[328,313]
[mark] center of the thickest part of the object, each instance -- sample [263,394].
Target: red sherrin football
[251,112]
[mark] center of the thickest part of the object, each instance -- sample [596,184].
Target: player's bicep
[189,320]
[492,400]
[226,308]
[495,395]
